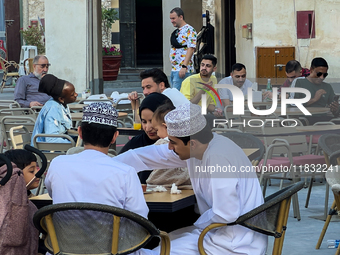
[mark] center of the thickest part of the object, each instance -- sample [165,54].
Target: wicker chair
[333,180]
[5,65]
[269,218]
[86,228]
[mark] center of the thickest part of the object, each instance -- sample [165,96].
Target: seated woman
[54,117]
[27,162]
[149,136]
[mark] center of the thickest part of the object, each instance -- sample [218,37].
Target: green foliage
[109,16]
[33,36]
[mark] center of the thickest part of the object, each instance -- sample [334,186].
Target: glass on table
[136,120]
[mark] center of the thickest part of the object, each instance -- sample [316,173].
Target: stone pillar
[219,37]
[25,14]
[73,42]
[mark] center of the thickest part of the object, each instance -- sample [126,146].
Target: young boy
[158,119]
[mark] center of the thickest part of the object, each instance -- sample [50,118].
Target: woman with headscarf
[149,136]
[55,117]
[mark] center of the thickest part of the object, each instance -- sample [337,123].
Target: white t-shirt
[226,93]
[176,97]
[92,177]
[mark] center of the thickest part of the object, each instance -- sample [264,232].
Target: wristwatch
[184,66]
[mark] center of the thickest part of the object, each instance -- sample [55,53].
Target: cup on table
[144,187]
[136,120]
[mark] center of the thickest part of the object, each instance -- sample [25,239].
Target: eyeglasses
[320,73]
[44,65]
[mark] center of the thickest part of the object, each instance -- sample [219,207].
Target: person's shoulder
[122,168]
[191,78]
[301,82]
[189,27]
[226,80]
[248,84]
[26,78]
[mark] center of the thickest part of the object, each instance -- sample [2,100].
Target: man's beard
[39,75]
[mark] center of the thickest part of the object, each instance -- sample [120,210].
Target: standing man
[26,90]
[193,87]
[238,77]
[183,44]
[222,196]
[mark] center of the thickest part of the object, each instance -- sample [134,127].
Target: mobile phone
[336,98]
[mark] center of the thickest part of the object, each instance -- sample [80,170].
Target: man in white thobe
[224,191]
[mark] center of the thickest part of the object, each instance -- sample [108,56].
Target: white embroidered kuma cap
[100,113]
[185,120]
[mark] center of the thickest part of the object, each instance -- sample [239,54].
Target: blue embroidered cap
[100,113]
[185,120]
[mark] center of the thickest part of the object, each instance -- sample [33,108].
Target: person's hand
[318,94]
[267,94]
[217,112]
[334,107]
[133,96]
[182,72]
[35,103]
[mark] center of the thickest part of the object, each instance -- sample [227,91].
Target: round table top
[297,111]
[318,128]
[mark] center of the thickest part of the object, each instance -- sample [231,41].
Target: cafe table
[294,111]
[156,201]
[318,128]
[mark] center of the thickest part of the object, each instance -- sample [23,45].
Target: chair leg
[326,201]
[309,191]
[296,208]
[282,223]
[264,186]
[337,251]
[325,226]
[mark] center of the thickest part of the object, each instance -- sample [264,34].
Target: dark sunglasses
[44,65]
[320,73]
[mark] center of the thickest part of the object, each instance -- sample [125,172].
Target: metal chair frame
[282,197]
[43,220]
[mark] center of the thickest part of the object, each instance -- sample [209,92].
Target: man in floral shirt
[183,44]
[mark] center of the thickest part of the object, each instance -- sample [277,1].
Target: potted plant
[33,36]
[112,56]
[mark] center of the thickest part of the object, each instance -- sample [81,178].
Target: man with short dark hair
[194,87]
[90,176]
[155,80]
[293,71]
[238,77]
[322,94]
[26,90]
[183,44]
[222,196]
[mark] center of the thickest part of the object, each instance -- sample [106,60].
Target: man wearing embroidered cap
[90,176]
[222,196]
